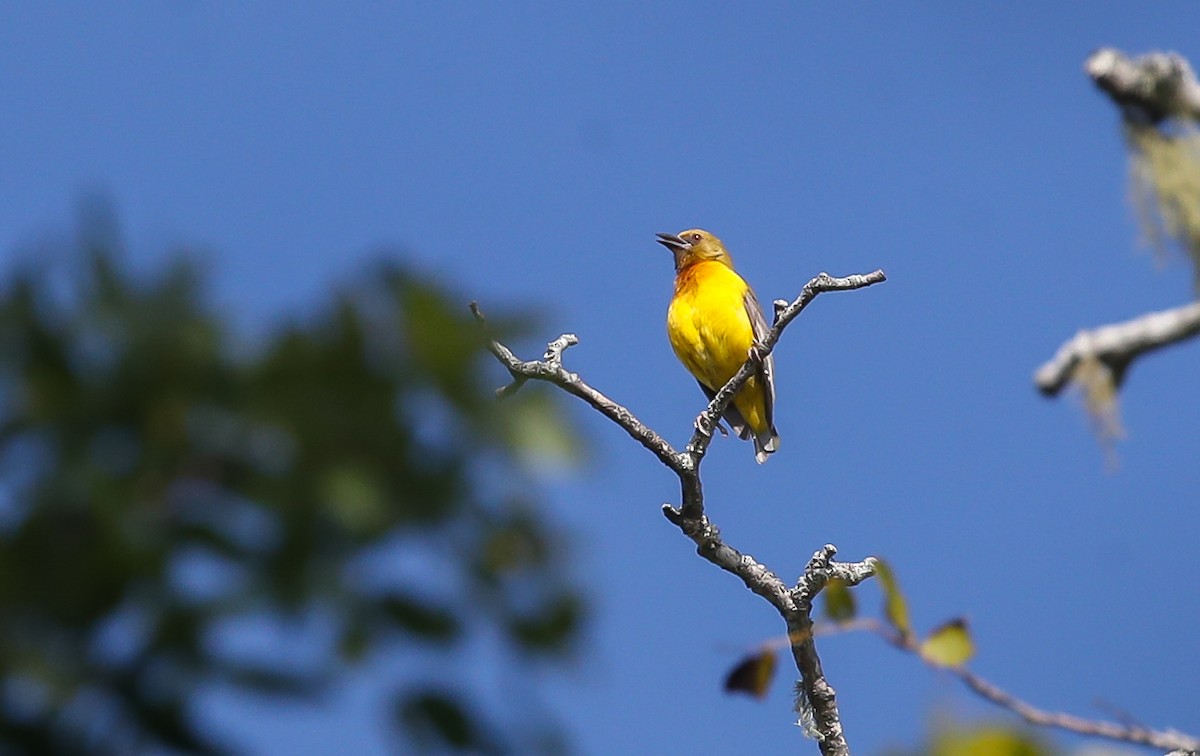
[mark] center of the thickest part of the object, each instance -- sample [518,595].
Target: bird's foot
[706,429]
[756,354]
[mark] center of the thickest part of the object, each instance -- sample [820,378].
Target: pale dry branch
[1148,88]
[795,604]
[1116,346]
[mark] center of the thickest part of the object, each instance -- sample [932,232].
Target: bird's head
[693,246]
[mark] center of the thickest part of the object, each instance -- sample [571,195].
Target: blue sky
[528,154]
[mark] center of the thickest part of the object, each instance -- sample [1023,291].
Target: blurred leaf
[539,433]
[753,674]
[895,606]
[169,724]
[949,645]
[421,619]
[442,339]
[354,642]
[839,601]
[552,628]
[354,499]
[511,545]
[436,719]
[265,680]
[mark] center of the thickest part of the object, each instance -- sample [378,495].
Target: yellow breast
[707,322]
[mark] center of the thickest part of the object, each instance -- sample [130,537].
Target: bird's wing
[766,373]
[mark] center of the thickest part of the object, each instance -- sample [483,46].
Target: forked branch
[816,696]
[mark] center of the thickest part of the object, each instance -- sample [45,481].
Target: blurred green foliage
[159,483]
[982,739]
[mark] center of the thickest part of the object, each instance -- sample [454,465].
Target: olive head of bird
[694,245]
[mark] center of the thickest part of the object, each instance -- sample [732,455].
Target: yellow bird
[713,321]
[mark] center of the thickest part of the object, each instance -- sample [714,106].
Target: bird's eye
[696,237]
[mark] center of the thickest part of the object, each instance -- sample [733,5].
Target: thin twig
[551,370]
[1165,740]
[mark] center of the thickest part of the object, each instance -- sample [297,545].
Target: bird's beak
[672,242]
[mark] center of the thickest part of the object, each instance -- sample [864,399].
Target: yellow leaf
[753,674]
[839,601]
[895,607]
[949,645]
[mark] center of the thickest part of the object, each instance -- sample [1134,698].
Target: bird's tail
[765,443]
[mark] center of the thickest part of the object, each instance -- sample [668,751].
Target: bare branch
[794,605]
[1148,88]
[550,369]
[1117,345]
[756,576]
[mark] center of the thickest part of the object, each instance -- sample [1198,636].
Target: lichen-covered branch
[1148,88]
[1116,346]
[793,604]
[1155,92]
